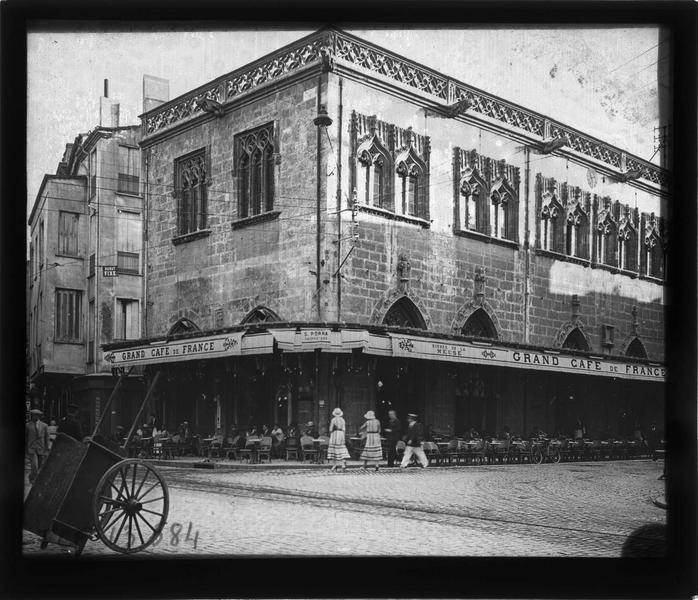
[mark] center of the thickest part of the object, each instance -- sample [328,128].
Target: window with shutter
[68,315]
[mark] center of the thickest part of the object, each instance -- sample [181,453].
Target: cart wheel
[130,506]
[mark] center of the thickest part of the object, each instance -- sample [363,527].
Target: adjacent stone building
[337,225]
[85,280]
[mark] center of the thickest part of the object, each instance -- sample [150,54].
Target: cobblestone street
[582,509]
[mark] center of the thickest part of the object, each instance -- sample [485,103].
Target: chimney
[108,109]
[156,91]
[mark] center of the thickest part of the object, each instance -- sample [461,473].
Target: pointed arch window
[577,234]
[404,313]
[255,153]
[552,224]
[260,314]
[191,183]
[654,251]
[374,161]
[636,349]
[503,207]
[184,325]
[411,173]
[606,239]
[575,340]
[479,325]
[473,214]
[627,246]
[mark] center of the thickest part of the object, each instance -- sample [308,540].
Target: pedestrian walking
[337,449]
[52,430]
[36,442]
[393,434]
[413,442]
[372,449]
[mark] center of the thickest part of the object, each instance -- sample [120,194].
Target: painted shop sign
[191,349]
[492,355]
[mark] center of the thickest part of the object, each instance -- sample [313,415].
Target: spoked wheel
[555,455]
[536,455]
[130,506]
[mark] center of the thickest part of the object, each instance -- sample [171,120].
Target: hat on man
[411,416]
[370,415]
[310,424]
[337,412]
[35,411]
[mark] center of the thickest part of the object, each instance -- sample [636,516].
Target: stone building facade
[86,276]
[335,224]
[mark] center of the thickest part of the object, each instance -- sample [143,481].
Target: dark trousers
[392,452]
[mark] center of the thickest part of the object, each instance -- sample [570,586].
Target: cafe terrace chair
[400,450]
[292,449]
[264,450]
[324,447]
[432,452]
[308,449]
[230,448]
[249,449]
[451,452]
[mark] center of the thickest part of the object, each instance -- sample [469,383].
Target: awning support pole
[121,379]
[151,389]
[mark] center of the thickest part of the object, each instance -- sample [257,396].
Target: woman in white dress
[337,449]
[372,451]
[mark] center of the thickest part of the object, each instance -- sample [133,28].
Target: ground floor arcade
[295,374]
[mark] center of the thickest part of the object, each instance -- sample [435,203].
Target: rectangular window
[68,233]
[127,325]
[91,332]
[91,268]
[129,240]
[92,167]
[41,246]
[31,261]
[68,315]
[190,184]
[129,170]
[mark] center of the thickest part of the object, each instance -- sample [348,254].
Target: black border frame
[673,577]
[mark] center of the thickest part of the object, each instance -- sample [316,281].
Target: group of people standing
[371,430]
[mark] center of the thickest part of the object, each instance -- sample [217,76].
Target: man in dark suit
[413,440]
[393,431]
[36,442]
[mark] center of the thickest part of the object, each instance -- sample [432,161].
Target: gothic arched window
[255,152]
[627,246]
[473,215]
[479,325]
[184,325]
[374,161]
[654,251]
[636,349]
[504,204]
[606,239]
[552,224]
[411,172]
[575,340]
[191,182]
[260,314]
[577,238]
[404,313]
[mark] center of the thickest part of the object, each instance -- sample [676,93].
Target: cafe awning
[324,339]
[408,346]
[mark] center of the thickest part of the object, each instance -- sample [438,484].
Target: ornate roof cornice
[332,49]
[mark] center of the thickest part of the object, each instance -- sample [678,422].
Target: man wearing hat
[36,442]
[70,424]
[393,434]
[413,442]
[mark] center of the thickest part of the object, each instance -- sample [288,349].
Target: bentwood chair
[292,449]
[264,450]
[308,449]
